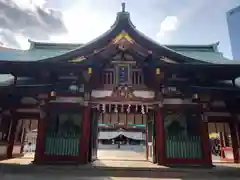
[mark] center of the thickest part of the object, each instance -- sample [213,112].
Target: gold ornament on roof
[78,59]
[122,38]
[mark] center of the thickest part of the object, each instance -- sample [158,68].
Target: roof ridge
[37,44]
[194,45]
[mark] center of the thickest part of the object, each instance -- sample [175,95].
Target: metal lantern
[53,94]
[195,96]
[158,71]
[89,70]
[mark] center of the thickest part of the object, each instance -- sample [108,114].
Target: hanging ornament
[146,109]
[116,109]
[128,109]
[142,110]
[98,107]
[103,108]
[122,108]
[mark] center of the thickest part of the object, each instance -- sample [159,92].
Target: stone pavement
[112,165]
[115,154]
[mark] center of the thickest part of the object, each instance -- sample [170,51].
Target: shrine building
[171,96]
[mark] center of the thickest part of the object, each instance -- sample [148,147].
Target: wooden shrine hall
[130,79]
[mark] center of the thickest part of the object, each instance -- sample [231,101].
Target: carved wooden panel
[123,92]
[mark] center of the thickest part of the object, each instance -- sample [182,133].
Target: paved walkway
[112,165]
[121,155]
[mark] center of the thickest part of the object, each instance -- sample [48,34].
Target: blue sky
[166,21]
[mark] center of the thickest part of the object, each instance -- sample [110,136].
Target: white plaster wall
[144,94]
[107,93]
[3,149]
[69,99]
[177,101]
[16,149]
[101,93]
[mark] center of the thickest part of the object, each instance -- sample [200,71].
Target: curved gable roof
[123,23]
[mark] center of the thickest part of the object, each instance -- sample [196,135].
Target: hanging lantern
[149,52]
[128,109]
[136,108]
[89,70]
[122,108]
[53,94]
[109,107]
[98,107]
[116,109]
[158,71]
[195,96]
[146,109]
[103,108]
[142,110]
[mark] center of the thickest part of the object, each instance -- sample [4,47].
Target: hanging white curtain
[133,135]
[114,134]
[108,134]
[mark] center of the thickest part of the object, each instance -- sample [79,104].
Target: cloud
[29,19]
[168,25]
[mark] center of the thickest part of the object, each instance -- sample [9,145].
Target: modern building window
[108,77]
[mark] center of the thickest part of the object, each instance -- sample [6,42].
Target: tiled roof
[38,51]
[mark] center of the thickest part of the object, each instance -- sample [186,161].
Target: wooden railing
[183,147]
[62,145]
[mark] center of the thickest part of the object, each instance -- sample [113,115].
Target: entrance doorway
[118,136]
[30,129]
[221,144]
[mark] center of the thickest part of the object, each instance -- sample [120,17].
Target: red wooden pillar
[12,135]
[85,136]
[39,154]
[235,144]
[207,156]
[160,137]
[222,144]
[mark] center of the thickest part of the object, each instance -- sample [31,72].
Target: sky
[79,21]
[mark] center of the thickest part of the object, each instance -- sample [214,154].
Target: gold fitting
[158,71]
